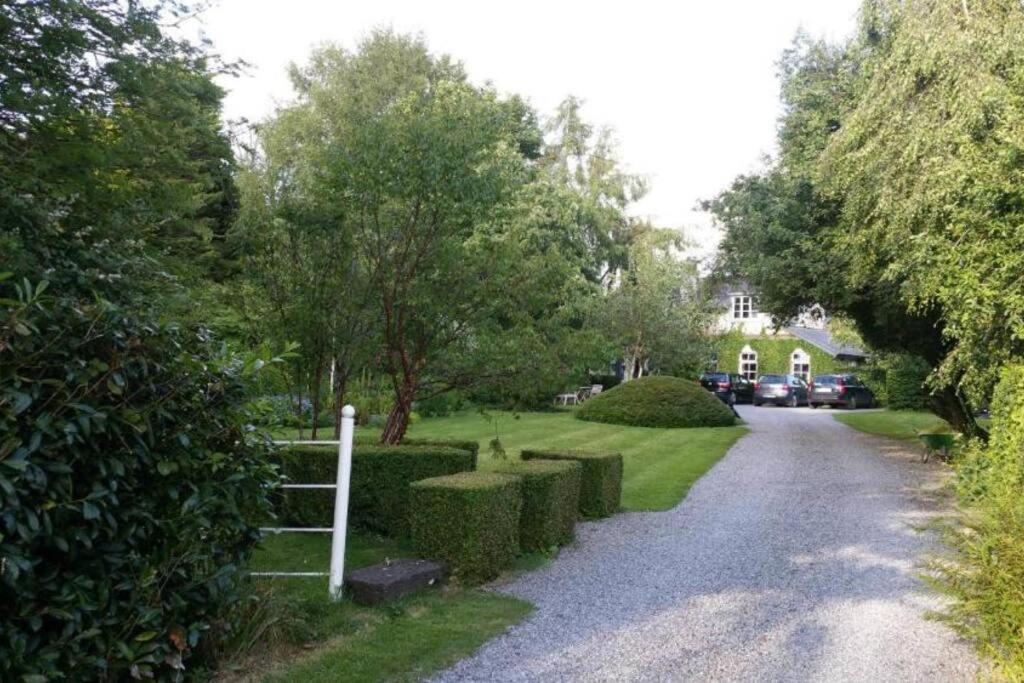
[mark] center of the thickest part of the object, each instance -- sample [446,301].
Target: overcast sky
[688,87]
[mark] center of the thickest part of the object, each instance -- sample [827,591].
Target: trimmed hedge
[657,401]
[551,494]
[462,445]
[904,384]
[379,493]
[600,478]
[468,520]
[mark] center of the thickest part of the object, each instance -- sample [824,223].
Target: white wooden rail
[341,486]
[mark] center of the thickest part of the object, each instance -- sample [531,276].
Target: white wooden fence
[341,486]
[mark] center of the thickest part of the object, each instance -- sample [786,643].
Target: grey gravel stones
[795,558]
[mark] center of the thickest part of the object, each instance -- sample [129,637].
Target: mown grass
[312,639]
[895,424]
[659,465]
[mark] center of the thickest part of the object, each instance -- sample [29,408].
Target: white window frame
[742,307]
[800,364]
[748,363]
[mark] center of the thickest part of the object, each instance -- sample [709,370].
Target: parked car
[732,389]
[782,390]
[840,390]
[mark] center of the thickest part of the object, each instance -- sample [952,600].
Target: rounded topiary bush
[657,402]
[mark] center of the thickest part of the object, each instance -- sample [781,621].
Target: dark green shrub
[988,572]
[458,444]
[379,493]
[129,491]
[468,520]
[600,479]
[551,495]
[657,402]
[904,384]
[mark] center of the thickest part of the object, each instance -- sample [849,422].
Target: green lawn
[895,424]
[659,465]
[308,638]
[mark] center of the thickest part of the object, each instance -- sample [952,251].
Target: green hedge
[988,571]
[379,493]
[657,401]
[468,520]
[904,384]
[459,444]
[600,479]
[551,494]
[774,354]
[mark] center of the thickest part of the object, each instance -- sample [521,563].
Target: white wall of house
[741,314]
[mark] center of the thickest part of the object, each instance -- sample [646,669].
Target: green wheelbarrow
[941,443]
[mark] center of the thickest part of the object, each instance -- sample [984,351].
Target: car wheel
[852,403]
[757,404]
[794,401]
[732,398]
[812,405]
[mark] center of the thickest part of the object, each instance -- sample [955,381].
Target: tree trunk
[314,396]
[341,378]
[398,419]
[948,405]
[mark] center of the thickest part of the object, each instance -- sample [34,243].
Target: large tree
[895,196]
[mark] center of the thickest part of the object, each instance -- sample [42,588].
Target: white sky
[688,87]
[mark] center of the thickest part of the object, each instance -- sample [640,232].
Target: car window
[716,376]
[772,379]
[825,380]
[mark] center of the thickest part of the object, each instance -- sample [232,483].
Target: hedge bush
[379,493]
[600,479]
[551,495]
[468,520]
[459,444]
[987,575]
[130,491]
[904,383]
[657,402]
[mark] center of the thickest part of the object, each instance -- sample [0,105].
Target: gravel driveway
[794,558]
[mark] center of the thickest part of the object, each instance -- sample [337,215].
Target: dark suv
[782,390]
[839,390]
[730,388]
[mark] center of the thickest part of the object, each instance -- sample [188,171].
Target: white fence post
[341,502]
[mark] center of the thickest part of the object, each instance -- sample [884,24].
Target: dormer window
[743,306]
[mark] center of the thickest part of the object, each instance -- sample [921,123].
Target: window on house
[801,364]
[742,307]
[748,363]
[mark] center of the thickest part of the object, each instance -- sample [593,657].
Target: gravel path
[795,558]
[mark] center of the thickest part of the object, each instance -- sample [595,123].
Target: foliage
[130,489]
[986,575]
[774,354]
[551,494]
[905,377]
[659,465]
[655,314]
[379,493]
[468,520]
[600,479]
[657,401]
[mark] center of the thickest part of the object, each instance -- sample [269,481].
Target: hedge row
[551,494]
[600,479]
[379,494]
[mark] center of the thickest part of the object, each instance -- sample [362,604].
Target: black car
[732,389]
[782,390]
[840,390]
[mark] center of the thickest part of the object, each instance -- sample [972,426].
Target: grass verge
[300,636]
[895,424]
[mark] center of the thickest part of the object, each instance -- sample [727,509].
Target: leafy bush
[904,383]
[600,479]
[441,405]
[379,494]
[988,573]
[458,444]
[657,402]
[469,520]
[129,490]
[551,494]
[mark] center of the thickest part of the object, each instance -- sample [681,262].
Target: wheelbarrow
[941,443]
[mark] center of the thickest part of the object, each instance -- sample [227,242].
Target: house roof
[824,341]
